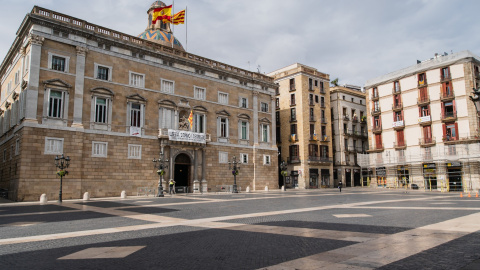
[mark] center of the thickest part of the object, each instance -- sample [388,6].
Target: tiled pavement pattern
[319,229]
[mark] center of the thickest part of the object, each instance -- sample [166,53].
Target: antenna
[258,68]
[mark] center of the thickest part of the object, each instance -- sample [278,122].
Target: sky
[353,40]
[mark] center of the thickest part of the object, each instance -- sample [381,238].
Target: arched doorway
[182,171]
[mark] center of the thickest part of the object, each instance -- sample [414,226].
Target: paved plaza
[297,229]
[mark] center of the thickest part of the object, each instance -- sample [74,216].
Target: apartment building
[423,127]
[113,102]
[303,129]
[349,132]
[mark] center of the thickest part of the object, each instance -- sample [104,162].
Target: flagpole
[186,29]
[171,21]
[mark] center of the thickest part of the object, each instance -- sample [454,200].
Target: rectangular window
[374,92]
[293,129]
[264,107]
[101,110]
[137,79]
[17,147]
[292,99]
[199,93]
[168,86]
[427,134]
[223,98]
[293,151]
[103,72]
[322,89]
[55,106]
[266,159]
[293,114]
[244,102]
[222,157]
[398,116]
[223,127]
[244,158]
[445,73]
[396,86]
[277,117]
[134,151]
[292,84]
[135,115]
[422,79]
[424,111]
[58,63]
[99,149]
[313,150]
[199,123]
[264,130]
[53,146]
[167,118]
[277,103]
[244,130]
[310,84]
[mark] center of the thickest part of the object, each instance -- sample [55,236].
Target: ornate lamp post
[283,172]
[234,166]
[61,163]
[161,164]
[476,99]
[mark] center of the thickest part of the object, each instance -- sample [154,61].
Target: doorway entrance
[182,173]
[455,179]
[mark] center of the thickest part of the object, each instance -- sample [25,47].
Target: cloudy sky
[354,40]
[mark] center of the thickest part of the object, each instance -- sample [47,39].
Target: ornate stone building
[113,102]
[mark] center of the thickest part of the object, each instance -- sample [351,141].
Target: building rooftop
[435,62]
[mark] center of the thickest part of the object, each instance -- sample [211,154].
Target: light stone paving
[102,253]
[351,215]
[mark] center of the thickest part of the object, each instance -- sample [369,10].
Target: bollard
[86,196]
[123,195]
[248,189]
[266,188]
[283,188]
[43,199]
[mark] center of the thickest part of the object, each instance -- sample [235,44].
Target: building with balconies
[430,136]
[113,102]
[349,128]
[302,126]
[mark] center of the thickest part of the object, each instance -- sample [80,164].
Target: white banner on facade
[398,123]
[186,136]
[424,119]
[136,131]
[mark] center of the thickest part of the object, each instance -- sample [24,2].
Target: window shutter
[456,130]
[142,115]
[129,114]
[46,102]
[268,133]
[454,109]
[219,132]
[65,99]
[239,130]
[443,111]
[403,118]
[227,128]
[420,111]
[444,130]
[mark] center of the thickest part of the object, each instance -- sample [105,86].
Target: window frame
[96,75]
[47,151]
[163,87]
[243,158]
[220,100]
[66,68]
[267,160]
[222,157]
[134,84]
[197,90]
[102,155]
[131,152]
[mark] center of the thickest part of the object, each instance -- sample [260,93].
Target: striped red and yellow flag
[162,13]
[190,119]
[179,18]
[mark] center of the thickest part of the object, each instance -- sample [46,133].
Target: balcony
[447,77]
[322,91]
[315,159]
[423,101]
[400,145]
[426,142]
[277,92]
[322,104]
[425,120]
[292,87]
[398,125]
[323,120]
[313,137]
[312,118]
[447,95]
[355,119]
[397,106]
[463,138]
[293,160]
[376,148]
[293,119]
[346,118]
[293,138]
[311,102]
[396,90]
[377,129]
[363,120]
[376,111]
[449,116]
[375,97]
[351,149]
[325,138]
[422,84]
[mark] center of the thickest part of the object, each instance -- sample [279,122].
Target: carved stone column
[79,87]
[274,122]
[196,183]
[204,182]
[255,117]
[35,43]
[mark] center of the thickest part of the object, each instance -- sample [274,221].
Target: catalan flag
[162,13]
[179,18]
[190,119]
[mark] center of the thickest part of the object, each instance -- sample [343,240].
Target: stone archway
[182,165]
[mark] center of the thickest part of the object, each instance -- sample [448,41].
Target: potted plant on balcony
[363,118]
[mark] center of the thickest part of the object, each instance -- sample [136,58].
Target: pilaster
[79,87]
[36,43]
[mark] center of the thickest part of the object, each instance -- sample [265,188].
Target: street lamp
[283,172]
[234,166]
[161,164]
[61,163]
[476,99]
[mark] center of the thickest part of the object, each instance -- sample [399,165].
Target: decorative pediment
[136,97]
[244,116]
[264,120]
[223,112]
[167,102]
[200,109]
[56,83]
[102,91]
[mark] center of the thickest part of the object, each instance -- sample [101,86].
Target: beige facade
[303,126]
[112,102]
[349,130]
[423,127]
